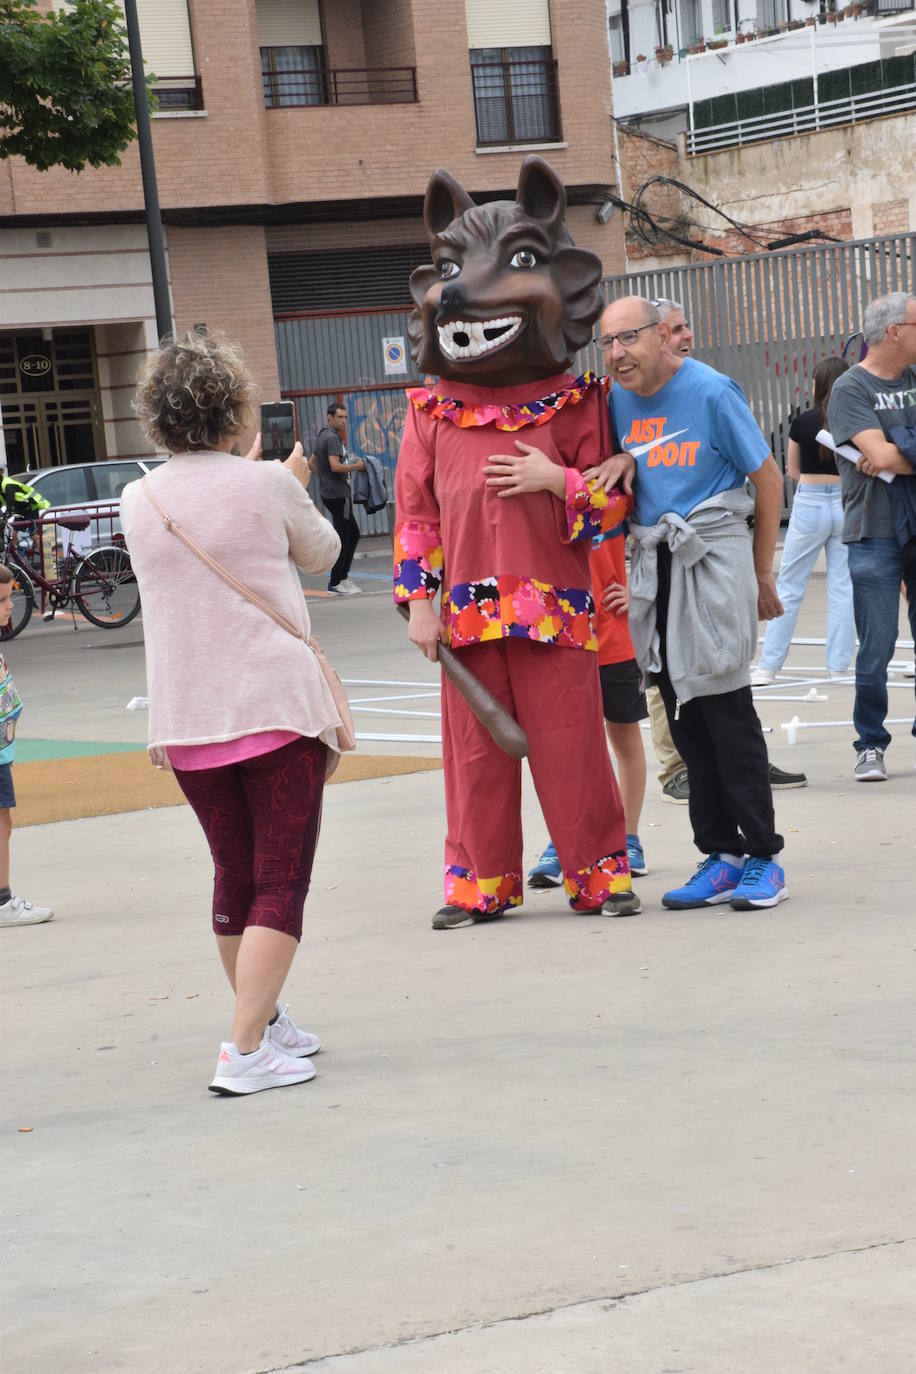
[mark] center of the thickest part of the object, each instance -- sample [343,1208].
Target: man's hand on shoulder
[620,469]
[769,606]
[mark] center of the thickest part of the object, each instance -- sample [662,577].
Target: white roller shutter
[289,24]
[508,23]
[165,36]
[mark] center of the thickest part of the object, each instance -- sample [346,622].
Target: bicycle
[101,585]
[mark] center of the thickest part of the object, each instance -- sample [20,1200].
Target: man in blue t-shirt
[690,442]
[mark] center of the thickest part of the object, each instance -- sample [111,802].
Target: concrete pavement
[683,1139]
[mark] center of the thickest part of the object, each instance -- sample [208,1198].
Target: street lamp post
[148,172]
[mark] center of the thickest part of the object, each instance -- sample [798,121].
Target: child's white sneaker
[286,1035]
[267,1067]
[18,912]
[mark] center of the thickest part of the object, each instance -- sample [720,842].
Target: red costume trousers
[555,696]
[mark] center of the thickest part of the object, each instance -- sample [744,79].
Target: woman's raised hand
[298,464]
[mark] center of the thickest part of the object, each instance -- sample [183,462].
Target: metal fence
[766,319]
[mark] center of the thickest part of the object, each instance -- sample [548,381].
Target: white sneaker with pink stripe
[286,1035]
[267,1067]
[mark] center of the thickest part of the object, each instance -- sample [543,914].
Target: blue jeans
[816,523]
[877,567]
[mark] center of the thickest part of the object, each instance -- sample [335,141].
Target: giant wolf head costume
[508,299]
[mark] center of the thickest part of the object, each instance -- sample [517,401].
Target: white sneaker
[238,1074]
[350,587]
[289,1039]
[18,912]
[762,677]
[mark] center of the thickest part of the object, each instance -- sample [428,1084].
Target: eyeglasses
[625,338]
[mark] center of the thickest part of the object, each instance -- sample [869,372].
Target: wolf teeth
[474,340]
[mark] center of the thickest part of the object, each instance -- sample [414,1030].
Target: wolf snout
[452,298]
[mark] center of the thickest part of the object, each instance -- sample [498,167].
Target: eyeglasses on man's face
[626,337]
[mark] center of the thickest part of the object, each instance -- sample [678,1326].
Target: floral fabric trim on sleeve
[590,510]
[417,561]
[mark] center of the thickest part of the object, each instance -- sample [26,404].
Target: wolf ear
[446,199]
[541,193]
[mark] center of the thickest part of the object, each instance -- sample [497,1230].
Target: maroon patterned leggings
[261,818]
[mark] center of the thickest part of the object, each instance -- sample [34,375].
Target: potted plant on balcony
[796,24]
[720,41]
[664,54]
[620,68]
[696,45]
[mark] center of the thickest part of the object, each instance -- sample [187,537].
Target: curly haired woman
[238,706]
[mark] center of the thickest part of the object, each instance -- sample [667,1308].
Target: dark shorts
[623,702]
[7,792]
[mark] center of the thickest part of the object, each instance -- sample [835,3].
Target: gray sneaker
[870,766]
[622,904]
[677,789]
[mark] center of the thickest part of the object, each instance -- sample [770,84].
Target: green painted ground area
[42,750]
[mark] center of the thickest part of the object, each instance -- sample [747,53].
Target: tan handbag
[346,734]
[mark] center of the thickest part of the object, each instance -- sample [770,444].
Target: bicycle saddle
[73,522]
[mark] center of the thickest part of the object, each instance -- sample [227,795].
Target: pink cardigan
[217,668]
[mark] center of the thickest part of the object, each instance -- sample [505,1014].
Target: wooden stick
[493,716]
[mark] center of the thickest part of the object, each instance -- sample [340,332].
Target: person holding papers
[872,400]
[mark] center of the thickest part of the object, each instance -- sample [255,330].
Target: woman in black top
[816,523]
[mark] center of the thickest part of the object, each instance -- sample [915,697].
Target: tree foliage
[65,87]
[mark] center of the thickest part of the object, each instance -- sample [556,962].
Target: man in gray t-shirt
[334,466]
[865,404]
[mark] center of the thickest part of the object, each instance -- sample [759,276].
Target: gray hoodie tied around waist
[712,608]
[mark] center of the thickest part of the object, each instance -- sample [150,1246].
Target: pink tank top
[190,758]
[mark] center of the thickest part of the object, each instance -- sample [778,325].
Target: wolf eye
[524,258]
[447,268]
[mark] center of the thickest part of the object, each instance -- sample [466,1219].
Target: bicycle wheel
[105,588]
[23,605]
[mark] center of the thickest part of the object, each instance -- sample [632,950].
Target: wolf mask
[508,299]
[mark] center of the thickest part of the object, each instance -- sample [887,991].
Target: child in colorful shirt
[14,911]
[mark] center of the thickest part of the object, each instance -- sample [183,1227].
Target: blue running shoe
[763,883]
[547,871]
[714,881]
[635,857]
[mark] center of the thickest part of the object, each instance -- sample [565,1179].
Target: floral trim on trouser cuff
[590,510]
[417,561]
[465,889]
[519,607]
[589,887]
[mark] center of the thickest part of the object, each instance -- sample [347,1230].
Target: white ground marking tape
[384,682]
[394,711]
[399,739]
[402,696]
[793,726]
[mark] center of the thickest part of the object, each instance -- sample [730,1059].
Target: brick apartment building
[293,143]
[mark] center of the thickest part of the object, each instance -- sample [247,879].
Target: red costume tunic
[510,566]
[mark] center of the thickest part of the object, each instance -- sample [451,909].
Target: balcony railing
[516,102]
[179,93]
[850,109]
[289,86]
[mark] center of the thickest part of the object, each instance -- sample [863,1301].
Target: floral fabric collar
[508,417]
